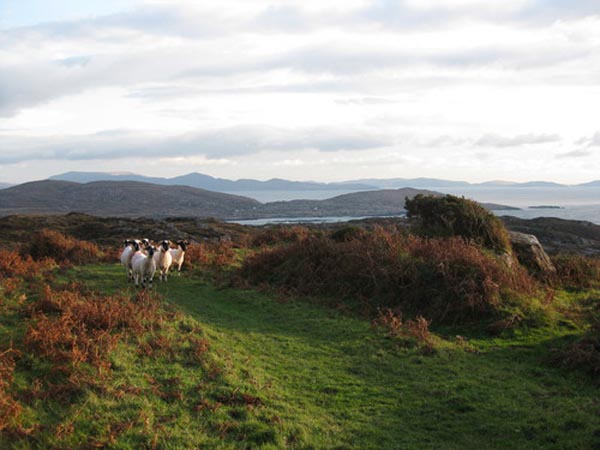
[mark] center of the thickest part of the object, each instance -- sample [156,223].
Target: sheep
[144,266]
[126,255]
[163,260]
[178,254]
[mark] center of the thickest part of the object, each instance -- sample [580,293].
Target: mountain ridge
[203,181]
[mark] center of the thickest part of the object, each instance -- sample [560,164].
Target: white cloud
[494,140]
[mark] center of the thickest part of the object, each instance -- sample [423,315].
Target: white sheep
[143,266]
[163,260]
[178,254]
[126,256]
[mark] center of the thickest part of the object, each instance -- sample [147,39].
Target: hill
[573,236]
[136,199]
[120,198]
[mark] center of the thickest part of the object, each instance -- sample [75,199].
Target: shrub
[413,332]
[348,233]
[442,279]
[577,271]
[585,353]
[454,216]
[64,249]
[280,233]
[13,264]
[210,254]
[10,409]
[71,327]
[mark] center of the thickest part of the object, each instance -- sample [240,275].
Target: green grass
[330,381]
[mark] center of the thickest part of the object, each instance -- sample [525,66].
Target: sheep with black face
[178,254]
[126,256]
[144,266]
[163,260]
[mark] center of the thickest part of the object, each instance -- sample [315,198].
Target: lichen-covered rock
[530,253]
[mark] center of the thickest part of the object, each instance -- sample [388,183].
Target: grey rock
[530,253]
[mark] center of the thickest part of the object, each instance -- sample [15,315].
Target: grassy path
[337,383]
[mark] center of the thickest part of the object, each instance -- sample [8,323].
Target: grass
[327,380]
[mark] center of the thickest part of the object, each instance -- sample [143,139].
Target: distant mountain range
[203,181]
[136,199]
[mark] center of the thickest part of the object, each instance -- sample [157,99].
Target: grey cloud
[574,154]
[283,18]
[592,141]
[365,101]
[445,140]
[495,140]
[26,85]
[150,19]
[551,10]
[401,14]
[226,142]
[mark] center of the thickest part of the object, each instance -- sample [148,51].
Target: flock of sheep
[141,259]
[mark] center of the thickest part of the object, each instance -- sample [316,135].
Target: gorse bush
[454,216]
[52,244]
[447,280]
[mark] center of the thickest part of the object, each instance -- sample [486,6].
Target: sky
[305,90]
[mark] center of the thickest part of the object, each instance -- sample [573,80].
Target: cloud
[574,154]
[218,143]
[284,18]
[365,101]
[495,140]
[439,13]
[170,20]
[592,141]
[195,41]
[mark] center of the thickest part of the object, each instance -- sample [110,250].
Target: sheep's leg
[136,279]
[150,282]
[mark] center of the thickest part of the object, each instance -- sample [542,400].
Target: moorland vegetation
[282,337]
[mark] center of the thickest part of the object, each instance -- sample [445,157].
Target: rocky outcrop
[530,253]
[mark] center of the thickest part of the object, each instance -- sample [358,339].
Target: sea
[573,203]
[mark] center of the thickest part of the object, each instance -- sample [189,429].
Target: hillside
[207,360]
[136,199]
[123,198]
[555,234]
